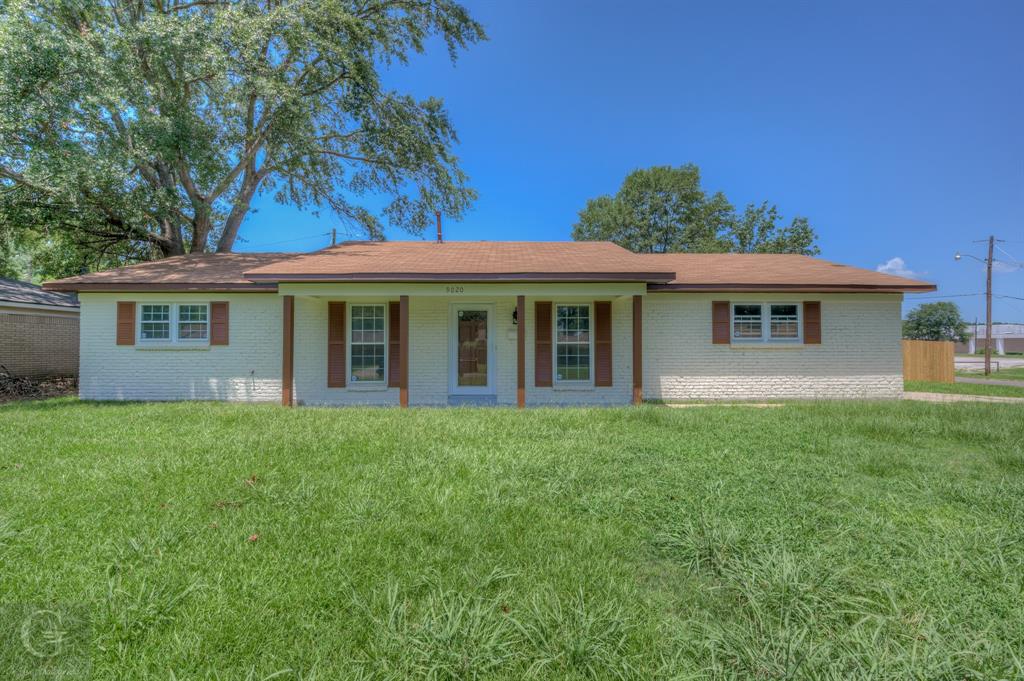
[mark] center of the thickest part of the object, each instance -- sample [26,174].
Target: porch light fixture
[515,316]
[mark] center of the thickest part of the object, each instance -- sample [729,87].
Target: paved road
[977,362]
[988,381]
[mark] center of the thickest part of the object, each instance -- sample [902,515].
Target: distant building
[38,330]
[1005,338]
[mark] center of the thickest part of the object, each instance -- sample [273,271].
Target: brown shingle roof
[491,261]
[196,272]
[767,272]
[466,261]
[24,293]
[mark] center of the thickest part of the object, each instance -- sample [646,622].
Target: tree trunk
[237,214]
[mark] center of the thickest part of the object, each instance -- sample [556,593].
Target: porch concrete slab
[951,397]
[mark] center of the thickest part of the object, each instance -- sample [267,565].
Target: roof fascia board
[789,288]
[456,277]
[131,287]
[461,290]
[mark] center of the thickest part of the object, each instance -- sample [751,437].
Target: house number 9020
[454,289]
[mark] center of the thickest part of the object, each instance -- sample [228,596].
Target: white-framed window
[155,322]
[368,343]
[766,322]
[174,322]
[573,339]
[193,322]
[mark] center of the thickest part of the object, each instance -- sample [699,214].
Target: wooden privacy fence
[928,361]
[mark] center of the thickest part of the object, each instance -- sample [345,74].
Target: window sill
[172,347]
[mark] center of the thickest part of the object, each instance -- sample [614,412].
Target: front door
[472,349]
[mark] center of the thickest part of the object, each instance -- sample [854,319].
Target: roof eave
[456,277]
[142,287]
[791,288]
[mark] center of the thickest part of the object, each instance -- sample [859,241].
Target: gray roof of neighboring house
[1004,330]
[24,293]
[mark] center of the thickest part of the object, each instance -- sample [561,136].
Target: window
[367,343]
[785,321]
[192,322]
[174,323]
[782,325]
[156,323]
[572,342]
[746,322]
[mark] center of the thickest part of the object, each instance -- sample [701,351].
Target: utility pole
[334,236]
[988,307]
[988,299]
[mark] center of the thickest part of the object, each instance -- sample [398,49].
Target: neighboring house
[1005,338]
[38,330]
[514,323]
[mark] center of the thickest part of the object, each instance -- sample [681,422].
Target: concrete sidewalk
[954,397]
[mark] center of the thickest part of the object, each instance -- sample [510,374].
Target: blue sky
[895,128]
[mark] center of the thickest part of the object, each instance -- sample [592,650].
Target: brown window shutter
[125,323]
[812,322]
[720,321]
[602,343]
[542,344]
[219,323]
[335,345]
[394,344]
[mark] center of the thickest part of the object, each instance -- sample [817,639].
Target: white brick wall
[859,355]
[249,369]
[429,356]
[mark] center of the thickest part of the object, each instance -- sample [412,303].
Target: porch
[452,344]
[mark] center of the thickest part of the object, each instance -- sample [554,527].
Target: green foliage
[813,541]
[148,127]
[935,321]
[665,210]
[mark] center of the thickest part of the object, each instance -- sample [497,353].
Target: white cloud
[897,267]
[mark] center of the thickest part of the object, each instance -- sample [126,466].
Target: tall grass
[242,542]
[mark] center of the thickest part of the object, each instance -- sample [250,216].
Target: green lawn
[965,388]
[204,541]
[1007,374]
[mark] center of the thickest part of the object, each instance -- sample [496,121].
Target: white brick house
[417,323]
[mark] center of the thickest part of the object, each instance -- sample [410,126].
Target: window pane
[746,321]
[191,331]
[572,343]
[784,321]
[368,341]
[156,322]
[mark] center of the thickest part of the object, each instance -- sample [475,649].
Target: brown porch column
[521,352]
[638,350]
[403,359]
[288,351]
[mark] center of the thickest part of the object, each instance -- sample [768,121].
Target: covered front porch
[393,344]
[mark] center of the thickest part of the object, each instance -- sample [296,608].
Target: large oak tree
[665,209]
[146,127]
